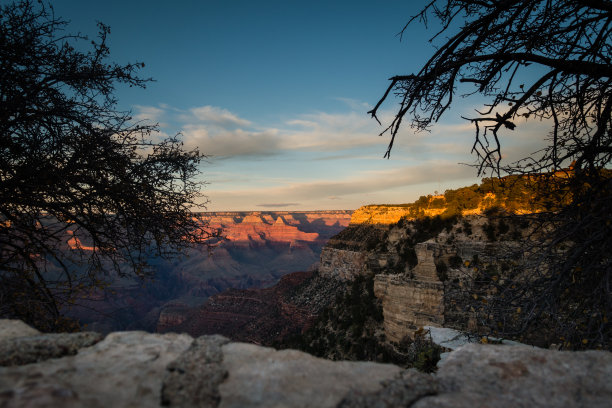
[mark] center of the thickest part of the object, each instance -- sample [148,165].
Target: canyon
[257,249]
[387,244]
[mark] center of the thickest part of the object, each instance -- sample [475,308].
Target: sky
[276,94]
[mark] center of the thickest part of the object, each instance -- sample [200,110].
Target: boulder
[134,369]
[264,377]
[478,375]
[15,328]
[125,369]
[193,379]
[31,349]
[399,392]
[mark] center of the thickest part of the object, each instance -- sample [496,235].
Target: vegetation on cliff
[548,61]
[350,328]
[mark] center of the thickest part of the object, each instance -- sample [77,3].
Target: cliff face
[411,302]
[256,228]
[422,268]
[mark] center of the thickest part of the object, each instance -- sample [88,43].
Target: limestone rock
[342,264]
[426,268]
[408,304]
[500,376]
[125,369]
[15,328]
[400,392]
[264,377]
[137,369]
[25,350]
[379,214]
[193,379]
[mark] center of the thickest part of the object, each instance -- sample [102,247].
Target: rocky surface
[342,264]
[133,369]
[264,377]
[379,214]
[501,376]
[16,328]
[408,304]
[32,349]
[125,369]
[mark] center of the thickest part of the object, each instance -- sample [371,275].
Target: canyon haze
[257,249]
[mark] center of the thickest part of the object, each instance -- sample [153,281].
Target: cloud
[356,188]
[148,113]
[218,132]
[218,116]
[231,143]
[275,205]
[355,104]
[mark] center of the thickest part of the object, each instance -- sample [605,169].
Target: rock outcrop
[420,283]
[137,369]
[409,304]
[379,214]
[342,264]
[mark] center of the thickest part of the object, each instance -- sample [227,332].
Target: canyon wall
[411,302]
[258,228]
[257,250]
[428,288]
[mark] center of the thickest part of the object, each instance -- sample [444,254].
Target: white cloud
[223,143]
[325,160]
[351,190]
[148,113]
[218,116]
[355,104]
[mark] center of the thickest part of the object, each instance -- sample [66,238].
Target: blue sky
[276,93]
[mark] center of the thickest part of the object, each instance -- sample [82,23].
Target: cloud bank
[322,160]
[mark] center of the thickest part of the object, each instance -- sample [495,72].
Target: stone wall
[137,369]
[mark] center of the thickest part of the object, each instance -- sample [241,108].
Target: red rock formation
[258,228]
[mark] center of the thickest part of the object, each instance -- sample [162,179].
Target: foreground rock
[521,376]
[139,369]
[125,369]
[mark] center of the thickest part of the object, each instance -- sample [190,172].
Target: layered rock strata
[415,296]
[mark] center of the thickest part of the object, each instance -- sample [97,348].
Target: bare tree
[84,190]
[547,60]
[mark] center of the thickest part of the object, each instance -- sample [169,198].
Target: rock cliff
[137,369]
[422,267]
